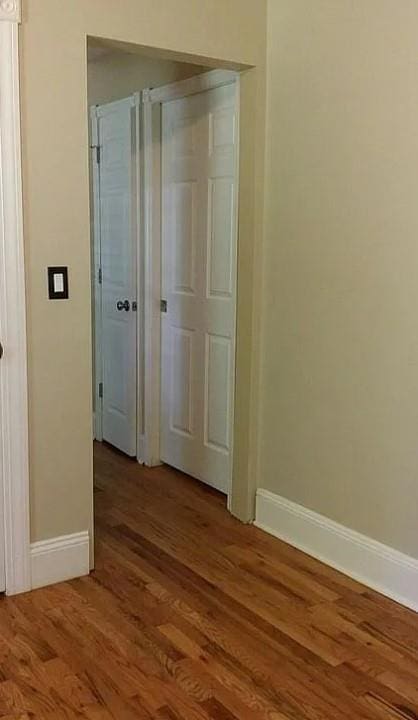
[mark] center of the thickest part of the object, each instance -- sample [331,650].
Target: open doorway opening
[164,188]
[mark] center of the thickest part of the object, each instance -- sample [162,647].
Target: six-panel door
[199,283]
[118,261]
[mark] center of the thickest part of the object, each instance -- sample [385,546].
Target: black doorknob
[123,305]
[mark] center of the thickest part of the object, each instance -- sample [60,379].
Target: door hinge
[100,390]
[99,276]
[97,149]
[163,306]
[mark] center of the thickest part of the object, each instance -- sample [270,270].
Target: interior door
[199,283]
[117,134]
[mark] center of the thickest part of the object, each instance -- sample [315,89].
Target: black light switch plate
[58,283]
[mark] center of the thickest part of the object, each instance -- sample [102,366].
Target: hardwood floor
[191,615]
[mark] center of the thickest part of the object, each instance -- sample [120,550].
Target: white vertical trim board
[150,258]
[98,374]
[13,371]
[237,85]
[140,281]
[60,559]
[378,566]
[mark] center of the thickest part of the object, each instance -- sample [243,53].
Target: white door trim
[236,200]
[150,256]
[151,228]
[13,369]
[193,85]
[94,148]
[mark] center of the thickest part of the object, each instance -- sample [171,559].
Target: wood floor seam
[190,615]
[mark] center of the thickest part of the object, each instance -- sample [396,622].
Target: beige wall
[337,397]
[56,216]
[339,388]
[118,74]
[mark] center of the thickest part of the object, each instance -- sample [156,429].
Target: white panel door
[118,232]
[199,283]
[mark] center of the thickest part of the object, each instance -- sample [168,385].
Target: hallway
[191,615]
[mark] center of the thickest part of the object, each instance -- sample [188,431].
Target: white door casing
[14,456]
[199,245]
[116,286]
[150,331]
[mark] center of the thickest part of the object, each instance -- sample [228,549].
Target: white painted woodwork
[10,11]
[199,191]
[14,456]
[59,559]
[149,440]
[117,136]
[195,84]
[378,566]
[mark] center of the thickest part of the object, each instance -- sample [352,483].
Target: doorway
[164,190]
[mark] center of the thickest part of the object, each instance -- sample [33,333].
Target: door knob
[123,305]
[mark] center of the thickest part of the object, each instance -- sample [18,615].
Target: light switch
[58,283]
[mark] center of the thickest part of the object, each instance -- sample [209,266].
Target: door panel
[181,381]
[220,229]
[184,231]
[117,180]
[199,283]
[217,404]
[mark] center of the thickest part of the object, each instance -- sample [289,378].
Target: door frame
[151,228]
[149,148]
[134,101]
[14,426]
[95,281]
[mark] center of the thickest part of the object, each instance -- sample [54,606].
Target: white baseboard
[59,559]
[378,566]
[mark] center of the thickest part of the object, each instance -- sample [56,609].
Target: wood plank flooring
[191,615]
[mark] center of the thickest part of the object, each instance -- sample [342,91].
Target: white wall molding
[192,85]
[10,10]
[14,462]
[60,559]
[378,566]
[150,333]
[98,370]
